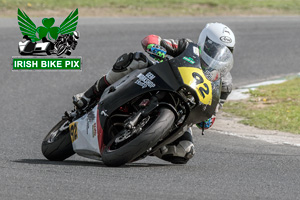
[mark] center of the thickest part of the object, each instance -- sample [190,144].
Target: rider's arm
[173,47]
[226,88]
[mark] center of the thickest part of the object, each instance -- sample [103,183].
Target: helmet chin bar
[231,49]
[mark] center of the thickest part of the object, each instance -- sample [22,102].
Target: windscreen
[217,57]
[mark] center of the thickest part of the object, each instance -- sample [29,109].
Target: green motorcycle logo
[28,28]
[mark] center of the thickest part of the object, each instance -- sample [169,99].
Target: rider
[181,150]
[71,39]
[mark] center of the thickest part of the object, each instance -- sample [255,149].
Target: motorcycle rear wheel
[57,145]
[143,142]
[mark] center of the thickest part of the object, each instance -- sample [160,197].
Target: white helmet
[218,33]
[76,35]
[217,42]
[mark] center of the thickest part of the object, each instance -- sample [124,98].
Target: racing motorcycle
[138,114]
[63,46]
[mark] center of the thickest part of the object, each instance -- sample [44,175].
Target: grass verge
[154,7]
[273,107]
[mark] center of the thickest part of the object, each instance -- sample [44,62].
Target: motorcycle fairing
[85,136]
[129,87]
[191,73]
[195,78]
[168,76]
[206,110]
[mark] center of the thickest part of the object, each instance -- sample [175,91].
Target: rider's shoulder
[186,40]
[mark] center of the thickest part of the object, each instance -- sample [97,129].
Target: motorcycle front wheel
[57,145]
[145,140]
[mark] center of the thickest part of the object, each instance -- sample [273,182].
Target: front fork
[147,106]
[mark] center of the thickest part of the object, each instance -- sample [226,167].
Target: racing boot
[180,151]
[82,100]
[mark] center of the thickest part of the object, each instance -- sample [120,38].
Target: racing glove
[172,47]
[151,44]
[206,124]
[157,52]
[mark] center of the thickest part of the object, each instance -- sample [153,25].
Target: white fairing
[22,45]
[86,144]
[43,46]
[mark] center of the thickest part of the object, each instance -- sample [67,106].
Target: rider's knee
[180,151]
[125,64]
[177,154]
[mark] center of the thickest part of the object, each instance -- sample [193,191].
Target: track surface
[224,167]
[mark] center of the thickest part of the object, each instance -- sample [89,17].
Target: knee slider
[185,149]
[139,56]
[126,64]
[133,61]
[178,154]
[123,62]
[181,153]
[139,61]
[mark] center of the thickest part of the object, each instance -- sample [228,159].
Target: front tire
[143,142]
[57,145]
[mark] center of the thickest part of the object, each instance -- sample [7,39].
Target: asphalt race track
[224,167]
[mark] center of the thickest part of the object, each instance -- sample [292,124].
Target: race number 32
[73,131]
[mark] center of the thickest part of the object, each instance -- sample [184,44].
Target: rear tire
[57,145]
[143,142]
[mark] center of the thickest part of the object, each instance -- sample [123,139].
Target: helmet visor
[217,57]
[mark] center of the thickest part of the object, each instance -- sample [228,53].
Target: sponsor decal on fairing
[145,80]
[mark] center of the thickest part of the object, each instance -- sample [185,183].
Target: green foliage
[274,107]
[192,5]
